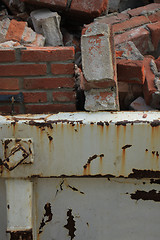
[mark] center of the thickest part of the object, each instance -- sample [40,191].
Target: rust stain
[86,167]
[70,224]
[123,162]
[139,174]
[48,214]
[21,235]
[143,195]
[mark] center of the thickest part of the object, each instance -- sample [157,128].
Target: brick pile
[136,37]
[117,56]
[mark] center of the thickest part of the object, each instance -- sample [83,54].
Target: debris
[47,23]
[98,63]
[140,105]
[19,32]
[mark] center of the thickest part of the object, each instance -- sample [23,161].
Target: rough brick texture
[79,9]
[44,76]
[131,71]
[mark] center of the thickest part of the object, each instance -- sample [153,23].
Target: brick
[7,109]
[48,83]
[155,17]
[101,100]
[139,36]
[47,54]
[157,61]
[35,97]
[128,50]
[153,7]
[9,83]
[23,70]
[130,24]
[20,32]
[149,87]
[50,108]
[62,68]
[7,55]
[80,10]
[64,96]
[131,71]
[15,30]
[155,33]
[89,9]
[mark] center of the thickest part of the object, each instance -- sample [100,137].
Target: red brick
[81,10]
[90,8]
[131,71]
[141,10]
[149,86]
[155,33]
[47,54]
[7,55]
[48,83]
[155,17]
[9,83]
[35,97]
[139,36]
[131,23]
[113,19]
[157,61]
[15,30]
[23,70]
[50,108]
[7,109]
[62,68]
[64,96]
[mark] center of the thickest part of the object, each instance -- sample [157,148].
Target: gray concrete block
[47,23]
[101,100]
[97,55]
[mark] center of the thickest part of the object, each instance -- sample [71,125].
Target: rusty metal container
[80,176]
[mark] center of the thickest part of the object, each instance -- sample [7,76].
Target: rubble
[117,51]
[19,32]
[140,105]
[84,11]
[47,23]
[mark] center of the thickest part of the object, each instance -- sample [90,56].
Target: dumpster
[80,176]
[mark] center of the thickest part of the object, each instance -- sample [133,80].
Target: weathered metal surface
[17,156]
[87,144]
[19,206]
[89,208]
[105,210]
[10,144]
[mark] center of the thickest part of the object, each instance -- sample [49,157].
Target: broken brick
[139,36]
[155,33]
[131,71]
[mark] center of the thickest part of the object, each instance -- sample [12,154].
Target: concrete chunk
[101,100]
[47,23]
[97,59]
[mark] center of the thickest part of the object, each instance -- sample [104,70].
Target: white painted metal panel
[19,205]
[86,144]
